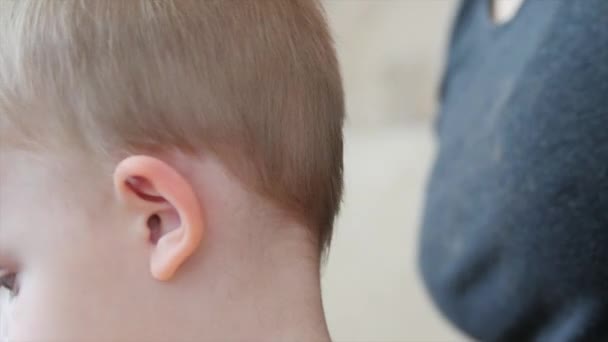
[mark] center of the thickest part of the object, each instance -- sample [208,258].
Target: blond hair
[256,82]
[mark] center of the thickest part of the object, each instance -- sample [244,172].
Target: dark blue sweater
[514,244]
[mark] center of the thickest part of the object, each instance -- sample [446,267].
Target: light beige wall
[391,53]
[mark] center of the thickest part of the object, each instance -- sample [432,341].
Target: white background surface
[372,291]
[391,53]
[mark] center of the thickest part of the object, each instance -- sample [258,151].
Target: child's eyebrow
[7,265]
[3,272]
[3,253]
[2,248]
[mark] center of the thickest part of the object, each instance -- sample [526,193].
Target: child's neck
[272,296]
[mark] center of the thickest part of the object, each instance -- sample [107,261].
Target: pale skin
[169,248]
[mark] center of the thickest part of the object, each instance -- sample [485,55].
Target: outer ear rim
[181,197]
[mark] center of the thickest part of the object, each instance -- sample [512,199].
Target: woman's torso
[515,236]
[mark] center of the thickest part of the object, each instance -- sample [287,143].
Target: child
[169,170]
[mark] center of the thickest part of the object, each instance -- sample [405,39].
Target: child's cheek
[19,326]
[12,327]
[5,316]
[12,321]
[34,316]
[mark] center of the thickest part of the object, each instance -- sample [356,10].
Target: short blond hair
[256,82]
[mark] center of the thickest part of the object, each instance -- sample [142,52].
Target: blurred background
[392,53]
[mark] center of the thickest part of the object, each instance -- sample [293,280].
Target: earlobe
[169,208]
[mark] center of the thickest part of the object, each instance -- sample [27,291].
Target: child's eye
[9,282]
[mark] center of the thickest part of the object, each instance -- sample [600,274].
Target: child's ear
[168,209]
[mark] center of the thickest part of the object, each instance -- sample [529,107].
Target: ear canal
[162,223]
[155,227]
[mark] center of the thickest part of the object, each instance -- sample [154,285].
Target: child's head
[163,160]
